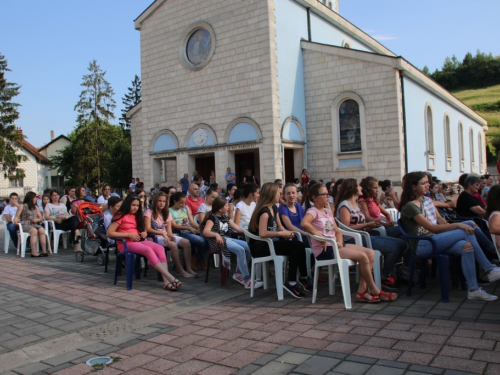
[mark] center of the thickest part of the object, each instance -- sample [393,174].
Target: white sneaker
[494,274]
[237,277]
[481,294]
[256,284]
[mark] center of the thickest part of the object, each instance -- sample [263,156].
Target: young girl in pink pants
[128,223]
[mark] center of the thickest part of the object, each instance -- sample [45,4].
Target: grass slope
[486,102]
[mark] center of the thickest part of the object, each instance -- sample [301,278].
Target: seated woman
[350,214]
[45,201]
[319,221]
[184,224]
[493,213]
[291,213]
[469,205]
[245,208]
[216,229]
[207,205]
[102,201]
[249,178]
[80,195]
[63,220]
[158,221]
[456,238]
[128,223]
[266,223]
[69,196]
[28,215]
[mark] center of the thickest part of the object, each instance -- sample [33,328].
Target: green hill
[486,102]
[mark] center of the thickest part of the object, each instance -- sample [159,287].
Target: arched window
[349,126]
[480,151]
[429,137]
[447,144]
[461,146]
[471,149]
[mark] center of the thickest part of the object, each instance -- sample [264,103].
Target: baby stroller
[90,216]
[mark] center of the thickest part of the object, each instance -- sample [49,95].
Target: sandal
[187,275]
[170,286]
[387,297]
[176,283]
[366,297]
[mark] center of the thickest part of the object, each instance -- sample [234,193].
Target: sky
[49,45]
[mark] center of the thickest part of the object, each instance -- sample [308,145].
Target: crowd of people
[198,218]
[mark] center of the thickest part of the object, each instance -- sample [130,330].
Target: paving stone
[60,367]
[352,368]
[66,357]
[265,359]
[382,370]
[317,365]
[282,349]
[32,368]
[250,369]
[21,341]
[272,368]
[293,357]
[355,358]
[386,363]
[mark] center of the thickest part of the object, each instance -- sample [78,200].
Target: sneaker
[493,275]
[481,294]
[389,284]
[294,290]
[305,283]
[237,277]
[256,284]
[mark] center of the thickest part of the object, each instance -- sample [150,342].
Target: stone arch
[245,130]
[211,139]
[164,140]
[292,130]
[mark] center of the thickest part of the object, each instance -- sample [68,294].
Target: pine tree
[130,100]
[10,138]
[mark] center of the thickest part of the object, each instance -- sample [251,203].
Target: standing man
[230,177]
[184,182]
[198,180]
[195,173]
[10,213]
[193,201]
[132,185]
[87,189]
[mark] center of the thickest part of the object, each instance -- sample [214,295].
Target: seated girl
[493,213]
[245,208]
[63,220]
[350,214]
[184,224]
[128,223]
[291,213]
[207,205]
[114,204]
[265,223]
[388,190]
[456,238]
[216,229]
[237,198]
[102,201]
[319,221]
[158,221]
[45,201]
[28,215]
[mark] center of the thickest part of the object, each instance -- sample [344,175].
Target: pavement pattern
[56,313]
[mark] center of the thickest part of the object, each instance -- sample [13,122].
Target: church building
[276,86]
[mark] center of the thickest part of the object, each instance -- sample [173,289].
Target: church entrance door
[289,165]
[204,165]
[244,161]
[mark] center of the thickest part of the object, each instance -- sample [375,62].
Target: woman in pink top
[128,223]
[319,221]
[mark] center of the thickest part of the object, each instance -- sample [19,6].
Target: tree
[130,100]
[10,138]
[95,110]
[120,162]
[426,70]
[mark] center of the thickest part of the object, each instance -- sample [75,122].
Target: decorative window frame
[480,150]
[461,144]
[430,140]
[204,126]
[448,145]
[471,150]
[239,120]
[346,43]
[158,135]
[184,39]
[344,157]
[299,125]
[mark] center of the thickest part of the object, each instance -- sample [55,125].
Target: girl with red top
[128,223]
[304,177]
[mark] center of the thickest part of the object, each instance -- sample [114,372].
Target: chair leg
[56,241]
[278,270]
[344,282]
[331,277]
[376,270]
[265,274]
[410,275]
[223,272]
[118,267]
[208,268]
[65,240]
[308,261]
[252,278]
[444,276]
[315,285]
[130,265]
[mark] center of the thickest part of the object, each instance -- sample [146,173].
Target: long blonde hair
[267,198]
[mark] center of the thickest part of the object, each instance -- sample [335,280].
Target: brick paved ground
[56,313]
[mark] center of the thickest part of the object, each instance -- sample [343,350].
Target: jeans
[243,256]
[391,248]
[12,228]
[452,242]
[199,242]
[483,240]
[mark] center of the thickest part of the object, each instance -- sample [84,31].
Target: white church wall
[291,27]
[416,99]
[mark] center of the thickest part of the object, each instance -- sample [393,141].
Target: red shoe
[389,284]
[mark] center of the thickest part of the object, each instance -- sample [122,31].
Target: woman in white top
[493,213]
[58,213]
[245,208]
[102,201]
[207,205]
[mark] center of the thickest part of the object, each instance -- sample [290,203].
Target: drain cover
[99,361]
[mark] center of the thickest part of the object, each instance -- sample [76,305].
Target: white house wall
[416,98]
[291,27]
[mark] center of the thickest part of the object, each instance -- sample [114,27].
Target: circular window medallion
[197,45]
[200,137]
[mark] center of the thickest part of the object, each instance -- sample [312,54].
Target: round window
[198,46]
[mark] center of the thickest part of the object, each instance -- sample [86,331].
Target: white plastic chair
[279,262]
[6,240]
[493,240]
[394,213]
[57,233]
[343,269]
[22,237]
[346,231]
[309,252]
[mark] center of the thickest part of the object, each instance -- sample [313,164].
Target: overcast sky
[49,44]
